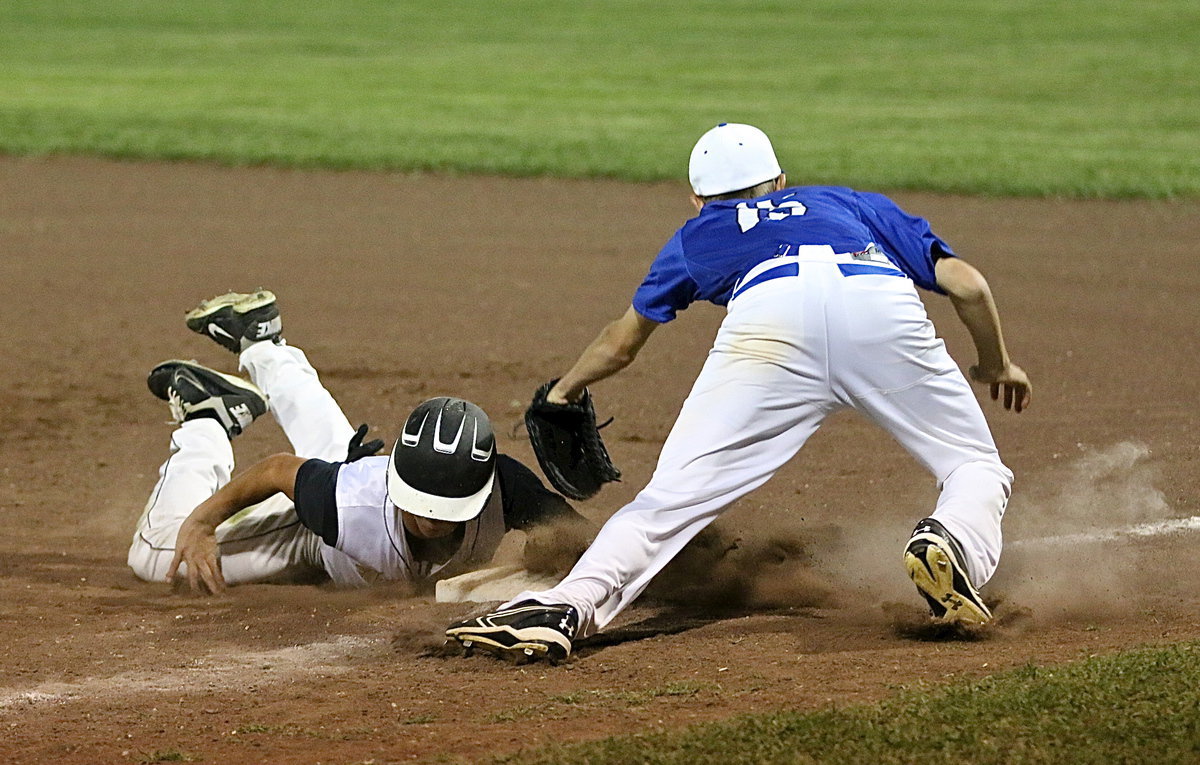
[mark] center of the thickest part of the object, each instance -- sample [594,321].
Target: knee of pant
[981,471]
[147,565]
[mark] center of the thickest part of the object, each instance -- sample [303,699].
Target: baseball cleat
[195,391]
[937,567]
[237,320]
[525,632]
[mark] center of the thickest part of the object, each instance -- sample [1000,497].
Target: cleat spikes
[525,632]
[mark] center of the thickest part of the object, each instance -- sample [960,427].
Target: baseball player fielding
[821,285]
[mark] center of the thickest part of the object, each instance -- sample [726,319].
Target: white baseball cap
[731,157]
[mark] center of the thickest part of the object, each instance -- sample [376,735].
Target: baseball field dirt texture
[398,293]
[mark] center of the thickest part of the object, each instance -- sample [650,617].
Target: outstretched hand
[356,449]
[196,546]
[1012,380]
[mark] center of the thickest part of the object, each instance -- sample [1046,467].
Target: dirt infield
[404,287]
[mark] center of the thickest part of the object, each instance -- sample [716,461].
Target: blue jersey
[707,256]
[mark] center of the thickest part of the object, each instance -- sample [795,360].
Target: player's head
[733,160]
[443,465]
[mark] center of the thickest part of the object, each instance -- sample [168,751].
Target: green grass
[1097,98]
[558,706]
[1141,706]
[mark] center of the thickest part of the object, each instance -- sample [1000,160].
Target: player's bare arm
[614,348]
[971,296]
[196,544]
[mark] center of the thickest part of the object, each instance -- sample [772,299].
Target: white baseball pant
[791,351]
[265,542]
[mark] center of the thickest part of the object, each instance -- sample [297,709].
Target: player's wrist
[199,522]
[987,373]
[564,393]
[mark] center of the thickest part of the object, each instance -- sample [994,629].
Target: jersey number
[749,216]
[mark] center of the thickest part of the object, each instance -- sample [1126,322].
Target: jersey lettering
[749,216]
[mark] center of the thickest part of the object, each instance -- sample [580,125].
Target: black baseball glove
[568,446]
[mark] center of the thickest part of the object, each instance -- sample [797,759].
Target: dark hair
[757,190]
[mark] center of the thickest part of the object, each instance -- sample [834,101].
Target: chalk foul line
[1152,529]
[218,671]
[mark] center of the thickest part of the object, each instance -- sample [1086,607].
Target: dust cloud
[1056,564]
[759,563]
[723,569]
[1067,555]
[1101,489]
[423,636]
[553,548]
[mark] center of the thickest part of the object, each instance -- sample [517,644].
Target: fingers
[193,571]
[211,572]
[1016,397]
[203,573]
[204,576]
[1024,399]
[1014,384]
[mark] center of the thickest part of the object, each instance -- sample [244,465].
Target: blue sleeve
[906,239]
[668,287]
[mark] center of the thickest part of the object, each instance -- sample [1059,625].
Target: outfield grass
[1096,98]
[1141,706]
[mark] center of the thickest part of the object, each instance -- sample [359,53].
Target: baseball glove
[568,446]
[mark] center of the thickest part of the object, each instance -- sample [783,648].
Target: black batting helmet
[444,463]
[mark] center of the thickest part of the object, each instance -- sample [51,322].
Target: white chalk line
[214,672]
[1156,528]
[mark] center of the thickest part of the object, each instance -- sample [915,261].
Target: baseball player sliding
[823,314]
[436,507]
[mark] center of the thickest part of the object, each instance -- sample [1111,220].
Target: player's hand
[196,546]
[557,396]
[1012,380]
[356,450]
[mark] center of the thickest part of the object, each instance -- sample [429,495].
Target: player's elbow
[617,349]
[278,473]
[619,356]
[961,281]
[621,340]
[970,294]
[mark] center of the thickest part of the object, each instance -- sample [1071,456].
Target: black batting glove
[357,449]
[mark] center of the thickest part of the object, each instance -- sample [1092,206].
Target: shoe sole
[517,648]
[935,575]
[238,302]
[160,378]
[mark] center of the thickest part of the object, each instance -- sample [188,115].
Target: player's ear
[697,202]
[781,182]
